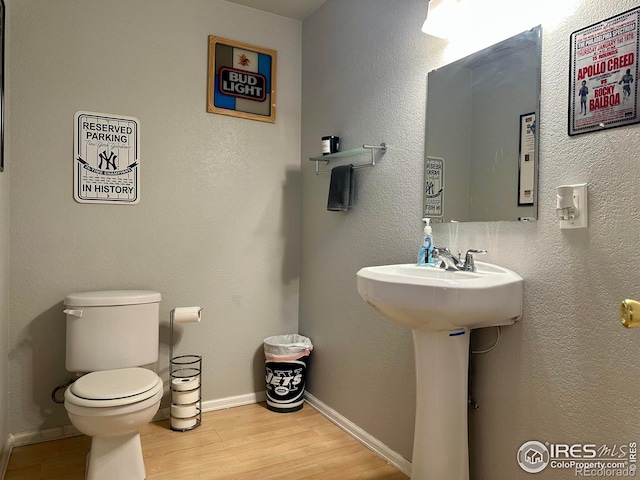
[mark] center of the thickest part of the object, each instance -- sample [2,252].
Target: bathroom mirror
[481,140]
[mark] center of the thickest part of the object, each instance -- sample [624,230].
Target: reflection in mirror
[481,140]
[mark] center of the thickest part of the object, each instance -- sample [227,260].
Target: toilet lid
[115,384]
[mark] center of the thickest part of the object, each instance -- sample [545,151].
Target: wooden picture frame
[241,80]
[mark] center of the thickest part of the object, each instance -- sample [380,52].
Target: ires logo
[242,84]
[585,459]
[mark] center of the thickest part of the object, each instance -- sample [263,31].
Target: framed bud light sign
[241,80]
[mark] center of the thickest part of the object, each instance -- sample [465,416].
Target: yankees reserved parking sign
[106,158]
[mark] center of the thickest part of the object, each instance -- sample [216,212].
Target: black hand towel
[340,188]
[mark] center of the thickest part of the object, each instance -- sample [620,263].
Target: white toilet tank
[112,329]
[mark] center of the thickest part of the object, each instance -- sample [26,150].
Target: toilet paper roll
[187,383]
[184,411]
[630,313]
[183,423]
[187,314]
[184,398]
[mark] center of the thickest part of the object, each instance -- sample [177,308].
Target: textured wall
[568,372]
[4,281]
[365,82]
[217,224]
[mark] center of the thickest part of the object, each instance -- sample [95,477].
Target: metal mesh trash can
[286,359]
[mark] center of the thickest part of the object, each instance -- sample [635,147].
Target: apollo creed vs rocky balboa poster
[603,76]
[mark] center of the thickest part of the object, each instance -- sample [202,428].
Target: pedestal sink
[441,307]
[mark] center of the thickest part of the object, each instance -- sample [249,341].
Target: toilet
[110,336]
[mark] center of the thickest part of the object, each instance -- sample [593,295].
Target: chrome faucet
[450,262]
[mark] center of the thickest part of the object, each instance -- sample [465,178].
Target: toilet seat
[113,388]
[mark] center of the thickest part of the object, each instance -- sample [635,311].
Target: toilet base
[116,457]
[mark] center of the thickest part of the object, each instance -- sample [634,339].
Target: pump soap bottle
[424,255]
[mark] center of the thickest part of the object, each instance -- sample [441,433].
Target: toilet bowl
[111,406]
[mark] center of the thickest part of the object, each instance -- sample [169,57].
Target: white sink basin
[433,299]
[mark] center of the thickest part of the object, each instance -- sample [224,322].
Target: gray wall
[218,222]
[567,372]
[4,282]
[365,82]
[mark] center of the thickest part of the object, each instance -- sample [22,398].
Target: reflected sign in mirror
[481,132]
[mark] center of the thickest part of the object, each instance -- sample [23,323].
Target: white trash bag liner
[284,347]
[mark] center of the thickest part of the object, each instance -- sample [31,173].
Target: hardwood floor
[242,443]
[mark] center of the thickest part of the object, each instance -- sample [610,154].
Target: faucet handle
[469,264]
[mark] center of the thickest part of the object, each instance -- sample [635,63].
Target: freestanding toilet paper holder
[185,373]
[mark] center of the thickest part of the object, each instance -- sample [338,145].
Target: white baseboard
[359,434]
[39,436]
[237,401]
[220,404]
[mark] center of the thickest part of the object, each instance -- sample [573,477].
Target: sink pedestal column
[440,445]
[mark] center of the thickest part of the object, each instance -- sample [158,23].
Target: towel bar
[350,153]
